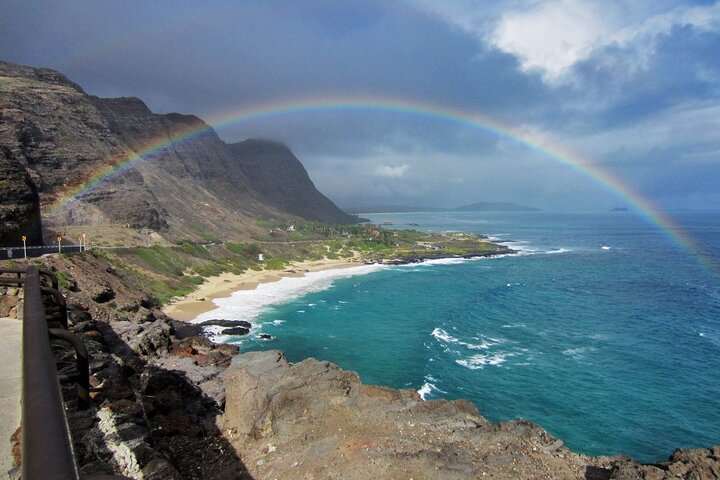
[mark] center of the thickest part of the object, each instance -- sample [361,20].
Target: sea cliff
[168,403]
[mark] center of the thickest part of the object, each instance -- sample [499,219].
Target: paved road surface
[10,351]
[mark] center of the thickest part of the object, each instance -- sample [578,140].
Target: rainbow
[323,105]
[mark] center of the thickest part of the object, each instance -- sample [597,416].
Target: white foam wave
[214,333]
[443,261]
[579,352]
[481,361]
[250,304]
[497,238]
[525,252]
[514,325]
[486,343]
[425,390]
[429,387]
[605,247]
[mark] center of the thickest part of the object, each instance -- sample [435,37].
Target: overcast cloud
[633,87]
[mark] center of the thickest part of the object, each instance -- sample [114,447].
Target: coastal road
[10,386]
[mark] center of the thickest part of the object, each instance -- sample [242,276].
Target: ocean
[602,329]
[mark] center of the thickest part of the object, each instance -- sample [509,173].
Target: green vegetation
[64,279]
[176,270]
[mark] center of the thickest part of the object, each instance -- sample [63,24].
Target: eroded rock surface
[315,420]
[19,203]
[166,405]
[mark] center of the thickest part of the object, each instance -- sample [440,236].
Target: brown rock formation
[156,395]
[19,203]
[314,420]
[168,173]
[282,181]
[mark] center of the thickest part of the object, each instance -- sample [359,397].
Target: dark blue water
[604,331]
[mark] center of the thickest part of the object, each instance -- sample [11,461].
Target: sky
[630,88]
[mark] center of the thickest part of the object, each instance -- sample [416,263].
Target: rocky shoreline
[170,404]
[406,260]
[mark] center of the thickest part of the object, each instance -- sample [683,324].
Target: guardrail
[47,451]
[9,253]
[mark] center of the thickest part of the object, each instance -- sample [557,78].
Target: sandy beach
[201,300]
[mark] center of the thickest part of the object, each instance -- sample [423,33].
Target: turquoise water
[602,330]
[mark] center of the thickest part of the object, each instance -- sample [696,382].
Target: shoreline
[201,300]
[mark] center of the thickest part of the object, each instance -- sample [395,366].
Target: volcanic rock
[236,331]
[19,203]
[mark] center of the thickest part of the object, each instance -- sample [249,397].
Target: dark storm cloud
[216,58]
[685,66]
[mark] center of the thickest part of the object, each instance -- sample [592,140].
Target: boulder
[225,323]
[235,331]
[102,292]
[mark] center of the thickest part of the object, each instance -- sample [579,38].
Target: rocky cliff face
[19,203]
[314,420]
[168,404]
[188,184]
[281,180]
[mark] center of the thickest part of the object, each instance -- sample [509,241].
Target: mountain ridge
[194,188]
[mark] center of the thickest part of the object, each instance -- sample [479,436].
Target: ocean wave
[443,261]
[482,360]
[521,252]
[214,333]
[427,389]
[430,386]
[250,304]
[486,342]
[578,352]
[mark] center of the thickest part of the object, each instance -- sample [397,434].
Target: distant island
[473,207]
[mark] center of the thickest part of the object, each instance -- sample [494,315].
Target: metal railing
[46,445]
[47,450]
[15,276]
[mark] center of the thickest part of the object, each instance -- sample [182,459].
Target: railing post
[82,365]
[47,451]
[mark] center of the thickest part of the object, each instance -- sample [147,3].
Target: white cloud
[392,172]
[553,36]
[550,36]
